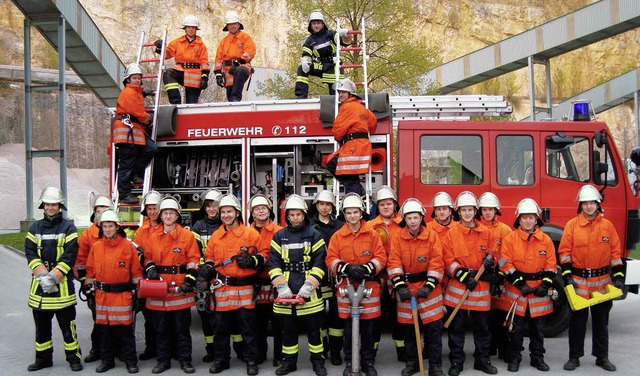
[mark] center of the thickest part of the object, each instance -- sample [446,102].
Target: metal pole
[27,119]
[532,90]
[62,90]
[635,111]
[547,65]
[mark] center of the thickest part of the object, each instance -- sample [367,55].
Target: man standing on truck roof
[351,128]
[192,63]
[318,54]
[233,57]
[590,258]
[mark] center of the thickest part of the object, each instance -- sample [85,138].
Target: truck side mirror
[600,138]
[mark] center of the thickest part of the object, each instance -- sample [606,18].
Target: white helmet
[258,200]
[230,200]
[132,68]
[102,200]
[231,17]
[442,199]
[347,85]
[169,202]
[109,216]
[295,202]
[528,206]
[151,198]
[385,192]
[191,20]
[352,200]
[589,193]
[51,195]
[489,200]
[412,205]
[210,195]
[466,198]
[325,196]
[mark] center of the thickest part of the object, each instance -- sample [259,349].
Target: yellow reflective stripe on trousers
[290,350]
[316,349]
[44,346]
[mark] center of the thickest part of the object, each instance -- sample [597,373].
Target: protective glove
[356,272]
[246,262]
[41,271]
[206,272]
[540,291]
[147,92]
[204,83]
[471,284]
[86,288]
[284,291]
[185,288]
[425,291]
[306,290]
[618,283]
[490,276]
[525,289]
[48,284]
[343,32]
[202,285]
[305,64]
[158,44]
[403,293]
[488,262]
[568,280]
[219,80]
[152,272]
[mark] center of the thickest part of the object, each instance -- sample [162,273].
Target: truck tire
[557,322]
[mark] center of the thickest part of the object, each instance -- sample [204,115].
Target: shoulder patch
[542,252]
[177,250]
[422,259]
[605,239]
[366,252]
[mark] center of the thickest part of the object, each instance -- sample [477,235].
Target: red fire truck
[279,148]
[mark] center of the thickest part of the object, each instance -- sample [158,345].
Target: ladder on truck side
[362,48]
[147,65]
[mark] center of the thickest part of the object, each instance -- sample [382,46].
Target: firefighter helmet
[412,205]
[466,198]
[102,200]
[347,85]
[191,20]
[258,200]
[528,206]
[442,199]
[315,15]
[295,202]
[210,195]
[384,193]
[151,198]
[109,216]
[231,17]
[132,68]
[51,195]
[589,193]
[169,202]
[325,196]
[230,200]
[489,200]
[352,200]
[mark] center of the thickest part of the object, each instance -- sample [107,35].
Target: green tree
[397,55]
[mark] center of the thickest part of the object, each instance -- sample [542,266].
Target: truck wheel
[558,321]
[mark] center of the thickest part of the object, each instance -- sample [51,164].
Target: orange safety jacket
[144,232]
[130,102]
[222,246]
[114,262]
[263,281]
[466,248]
[590,245]
[178,249]
[88,237]
[189,52]
[441,231]
[414,255]
[354,156]
[531,254]
[498,230]
[387,232]
[238,46]
[361,247]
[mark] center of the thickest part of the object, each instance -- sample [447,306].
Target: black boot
[92,356]
[320,370]
[436,371]
[104,367]
[252,367]
[369,369]
[286,369]
[411,368]
[219,366]
[39,364]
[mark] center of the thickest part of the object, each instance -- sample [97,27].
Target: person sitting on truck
[233,57]
[351,128]
[528,260]
[590,258]
[192,63]
[134,147]
[318,54]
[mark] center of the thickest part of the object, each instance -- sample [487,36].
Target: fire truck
[421,145]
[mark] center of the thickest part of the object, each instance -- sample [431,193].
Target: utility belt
[262,281]
[114,287]
[532,276]
[190,65]
[415,277]
[232,62]
[588,273]
[233,281]
[354,136]
[325,59]
[300,267]
[176,269]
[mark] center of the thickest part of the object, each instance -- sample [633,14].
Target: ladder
[148,64]
[338,67]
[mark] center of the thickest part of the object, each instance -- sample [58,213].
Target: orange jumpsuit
[265,295]
[131,102]
[85,241]
[239,46]
[498,230]
[189,52]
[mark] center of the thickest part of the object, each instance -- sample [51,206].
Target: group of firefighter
[244,276]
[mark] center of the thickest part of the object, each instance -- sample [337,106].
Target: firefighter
[85,241]
[500,304]
[261,219]
[318,54]
[202,231]
[51,248]
[351,128]
[590,257]
[323,218]
[233,57]
[150,225]
[528,259]
[232,261]
[297,268]
[416,268]
[172,254]
[465,248]
[113,269]
[134,148]
[191,69]
[386,224]
[356,252]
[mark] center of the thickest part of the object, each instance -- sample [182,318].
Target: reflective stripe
[44,346]
[234,302]
[434,274]
[395,271]
[314,349]
[333,332]
[290,350]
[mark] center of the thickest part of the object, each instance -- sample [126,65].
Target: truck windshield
[451,159]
